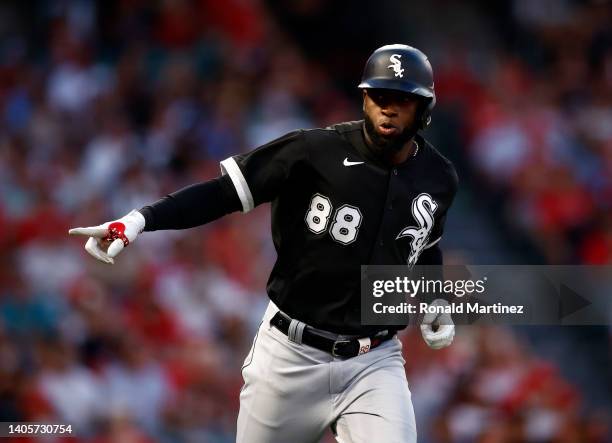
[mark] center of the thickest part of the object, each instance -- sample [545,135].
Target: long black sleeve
[430,266]
[192,206]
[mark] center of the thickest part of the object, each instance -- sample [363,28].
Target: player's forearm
[430,267]
[192,206]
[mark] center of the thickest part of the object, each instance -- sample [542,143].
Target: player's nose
[389,110]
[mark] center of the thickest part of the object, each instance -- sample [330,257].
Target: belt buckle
[336,343]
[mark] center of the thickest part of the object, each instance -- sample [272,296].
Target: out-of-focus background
[106,106]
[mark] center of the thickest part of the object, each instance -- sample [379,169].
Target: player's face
[390,117]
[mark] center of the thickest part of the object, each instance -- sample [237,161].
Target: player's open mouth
[387,129]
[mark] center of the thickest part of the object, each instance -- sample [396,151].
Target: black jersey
[336,207]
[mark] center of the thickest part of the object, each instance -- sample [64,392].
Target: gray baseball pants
[292,393]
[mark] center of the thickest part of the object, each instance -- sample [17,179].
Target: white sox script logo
[396,65]
[423,208]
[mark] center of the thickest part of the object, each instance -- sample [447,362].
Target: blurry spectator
[73,392]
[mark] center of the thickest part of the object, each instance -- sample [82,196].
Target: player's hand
[108,239]
[438,330]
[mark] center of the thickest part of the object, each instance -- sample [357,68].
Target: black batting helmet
[403,68]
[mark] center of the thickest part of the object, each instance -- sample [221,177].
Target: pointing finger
[93,231]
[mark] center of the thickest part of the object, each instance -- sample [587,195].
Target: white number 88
[346,223]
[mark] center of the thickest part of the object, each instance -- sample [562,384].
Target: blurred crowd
[107,106]
[537,121]
[490,387]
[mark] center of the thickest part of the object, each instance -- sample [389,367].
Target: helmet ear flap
[425,114]
[425,120]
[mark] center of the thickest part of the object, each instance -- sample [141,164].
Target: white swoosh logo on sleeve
[346,162]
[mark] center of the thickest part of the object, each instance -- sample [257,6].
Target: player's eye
[384,97]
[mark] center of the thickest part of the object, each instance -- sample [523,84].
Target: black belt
[337,345]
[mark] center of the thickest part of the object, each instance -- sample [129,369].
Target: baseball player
[364,192]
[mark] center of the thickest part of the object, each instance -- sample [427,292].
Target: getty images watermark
[518,295]
[446,289]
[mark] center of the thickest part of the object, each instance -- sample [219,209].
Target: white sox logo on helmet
[423,208]
[396,65]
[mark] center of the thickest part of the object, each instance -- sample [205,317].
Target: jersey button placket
[391,199]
